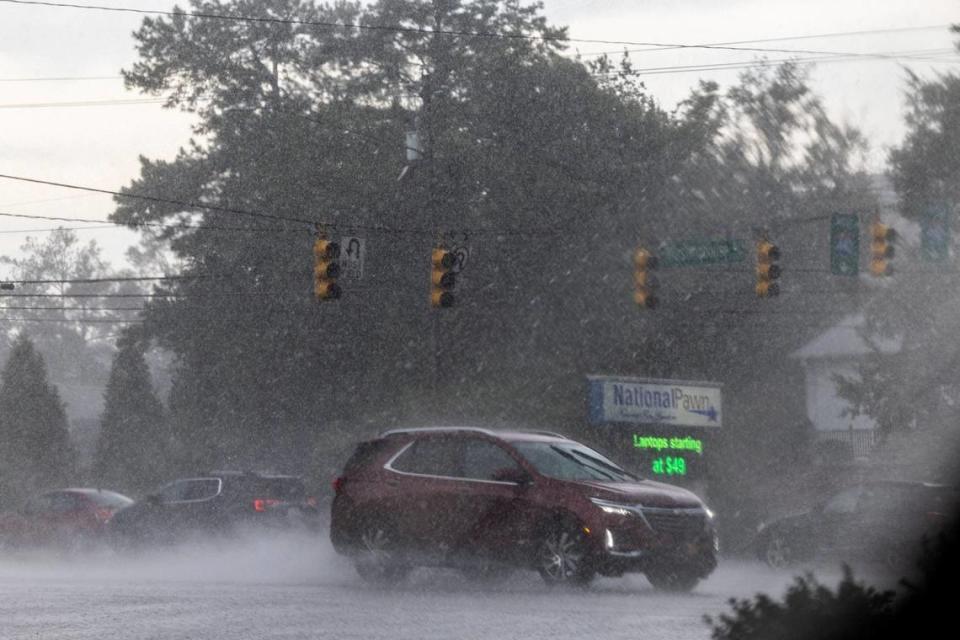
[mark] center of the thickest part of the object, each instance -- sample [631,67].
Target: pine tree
[35,449]
[131,449]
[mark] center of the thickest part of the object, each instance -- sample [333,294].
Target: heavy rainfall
[442,321]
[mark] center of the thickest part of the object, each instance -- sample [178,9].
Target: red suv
[489,501]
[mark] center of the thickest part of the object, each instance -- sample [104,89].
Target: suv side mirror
[517,476]
[153,499]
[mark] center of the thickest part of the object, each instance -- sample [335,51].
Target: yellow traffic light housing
[881,249]
[644,282]
[326,269]
[442,278]
[768,271]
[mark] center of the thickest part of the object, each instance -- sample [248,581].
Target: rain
[477,318]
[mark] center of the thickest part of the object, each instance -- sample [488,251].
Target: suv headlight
[614,508]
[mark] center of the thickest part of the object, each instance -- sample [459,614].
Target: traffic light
[442,278]
[644,282]
[768,271]
[881,249]
[326,269]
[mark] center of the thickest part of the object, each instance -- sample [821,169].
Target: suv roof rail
[393,432]
[540,432]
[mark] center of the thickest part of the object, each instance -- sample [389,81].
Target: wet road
[298,588]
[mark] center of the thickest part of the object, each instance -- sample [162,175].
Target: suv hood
[646,493]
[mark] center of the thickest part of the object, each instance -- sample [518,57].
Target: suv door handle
[393,483]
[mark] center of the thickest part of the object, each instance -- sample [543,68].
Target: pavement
[296,587]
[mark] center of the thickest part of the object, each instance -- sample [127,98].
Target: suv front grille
[683,524]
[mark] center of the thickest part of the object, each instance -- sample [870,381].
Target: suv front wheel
[563,556]
[674,579]
[377,559]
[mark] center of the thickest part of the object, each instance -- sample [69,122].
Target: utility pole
[432,85]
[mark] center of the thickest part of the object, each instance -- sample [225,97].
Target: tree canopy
[36,449]
[133,443]
[550,171]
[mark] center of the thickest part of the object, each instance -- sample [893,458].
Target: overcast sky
[51,127]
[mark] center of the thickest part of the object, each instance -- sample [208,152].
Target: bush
[808,610]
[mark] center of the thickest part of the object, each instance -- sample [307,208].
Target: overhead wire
[83,103]
[401,29]
[810,36]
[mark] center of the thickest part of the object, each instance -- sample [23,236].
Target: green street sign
[935,234]
[694,253]
[844,244]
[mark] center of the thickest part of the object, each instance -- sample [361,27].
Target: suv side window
[37,505]
[431,457]
[170,492]
[201,489]
[482,460]
[64,502]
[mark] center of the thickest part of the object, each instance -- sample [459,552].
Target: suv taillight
[103,515]
[262,504]
[338,485]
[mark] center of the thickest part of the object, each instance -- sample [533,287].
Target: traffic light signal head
[881,249]
[768,271]
[442,278]
[644,282]
[326,269]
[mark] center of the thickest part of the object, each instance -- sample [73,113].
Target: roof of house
[846,339]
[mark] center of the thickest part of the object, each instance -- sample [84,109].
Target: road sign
[844,244]
[352,254]
[662,402]
[462,254]
[693,253]
[935,233]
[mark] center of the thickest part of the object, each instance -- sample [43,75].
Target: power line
[121,279]
[140,196]
[377,228]
[834,34]
[208,294]
[61,78]
[664,70]
[731,66]
[72,321]
[71,309]
[158,225]
[52,229]
[910,54]
[400,29]
[84,103]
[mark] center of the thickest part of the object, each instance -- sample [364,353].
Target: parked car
[882,521]
[65,517]
[487,502]
[215,502]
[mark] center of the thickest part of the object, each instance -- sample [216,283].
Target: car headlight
[614,508]
[710,514]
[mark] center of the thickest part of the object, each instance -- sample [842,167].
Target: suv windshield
[571,461]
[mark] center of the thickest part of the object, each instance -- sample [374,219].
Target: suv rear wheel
[675,579]
[377,559]
[776,551]
[563,556]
